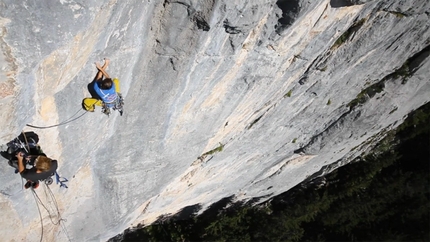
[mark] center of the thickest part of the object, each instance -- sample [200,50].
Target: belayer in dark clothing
[43,168]
[25,155]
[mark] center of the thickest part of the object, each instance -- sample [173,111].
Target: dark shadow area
[290,11]
[348,33]
[255,121]
[416,60]
[408,68]
[218,206]
[380,196]
[340,3]
[200,21]
[346,3]
[256,200]
[184,220]
[230,28]
[92,91]
[186,213]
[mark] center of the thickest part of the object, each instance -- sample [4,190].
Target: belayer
[26,156]
[107,92]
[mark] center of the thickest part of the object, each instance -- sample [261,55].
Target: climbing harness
[117,104]
[105,109]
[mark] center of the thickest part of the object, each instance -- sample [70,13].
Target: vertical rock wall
[287,89]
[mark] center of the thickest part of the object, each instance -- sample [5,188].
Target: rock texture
[287,89]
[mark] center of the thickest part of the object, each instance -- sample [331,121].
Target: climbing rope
[40,214]
[26,141]
[60,219]
[39,201]
[71,119]
[51,216]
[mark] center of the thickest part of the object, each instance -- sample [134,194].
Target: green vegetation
[344,37]
[411,65]
[329,102]
[403,71]
[382,196]
[418,123]
[213,151]
[398,14]
[217,149]
[288,94]
[294,140]
[367,93]
[360,99]
[322,68]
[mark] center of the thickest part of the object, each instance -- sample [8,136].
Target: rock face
[222,98]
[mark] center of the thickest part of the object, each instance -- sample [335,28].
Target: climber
[107,92]
[25,151]
[43,168]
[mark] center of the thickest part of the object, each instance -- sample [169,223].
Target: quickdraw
[61,180]
[116,105]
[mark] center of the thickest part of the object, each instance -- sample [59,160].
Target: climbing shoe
[28,184]
[106,111]
[87,107]
[91,109]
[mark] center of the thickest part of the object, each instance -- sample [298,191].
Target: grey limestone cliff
[287,89]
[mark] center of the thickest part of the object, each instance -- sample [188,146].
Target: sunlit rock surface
[288,89]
